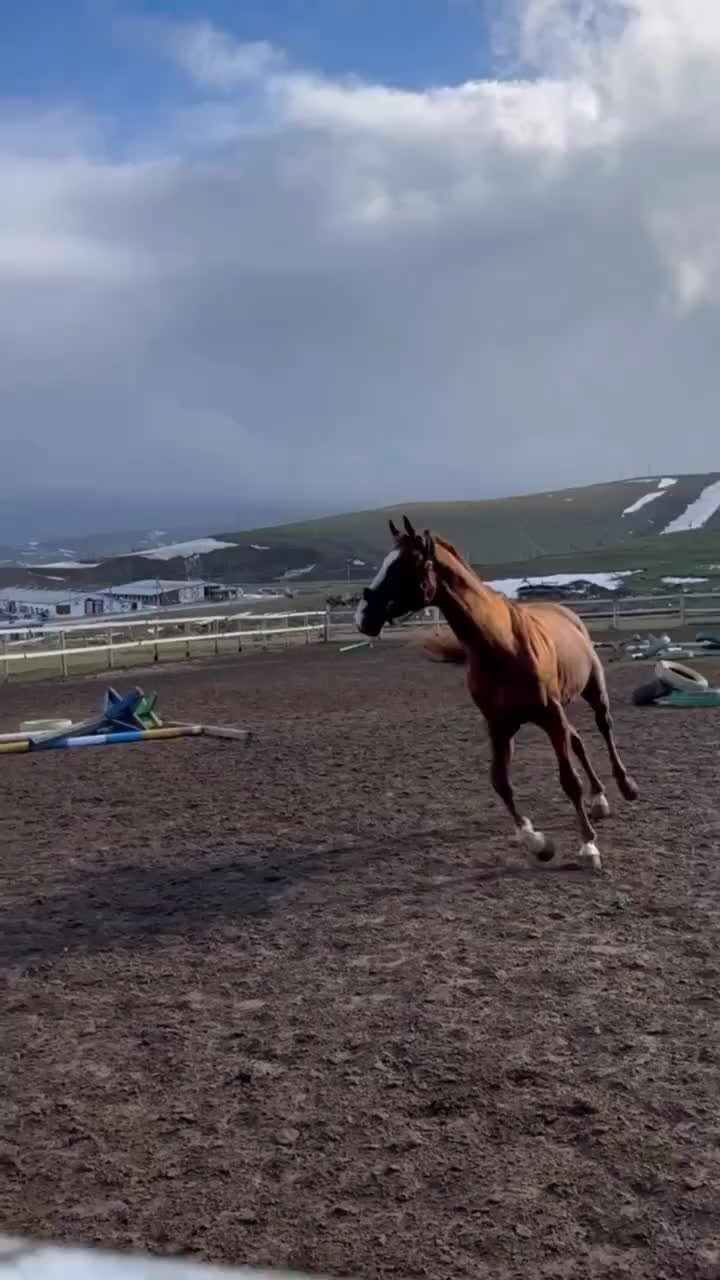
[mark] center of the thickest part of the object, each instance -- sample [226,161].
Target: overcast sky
[291,258]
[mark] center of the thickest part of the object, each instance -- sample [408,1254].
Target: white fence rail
[71,650]
[684,607]
[94,646]
[681,607]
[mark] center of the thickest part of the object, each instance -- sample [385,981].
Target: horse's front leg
[535,842]
[562,735]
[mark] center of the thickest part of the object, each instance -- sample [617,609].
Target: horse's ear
[393,529]
[428,544]
[408,527]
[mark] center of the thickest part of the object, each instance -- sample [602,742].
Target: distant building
[158,593]
[37,604]
[220,591]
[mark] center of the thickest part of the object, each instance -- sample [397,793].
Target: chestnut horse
[526,663]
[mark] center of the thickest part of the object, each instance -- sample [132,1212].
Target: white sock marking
[600,807]
[534,841]
[590,854]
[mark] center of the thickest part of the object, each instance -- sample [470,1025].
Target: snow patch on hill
[610,581]
[681,582]
[196,547]
[298,573]
[67,564]
[663,485]
[642,502]
[697,514]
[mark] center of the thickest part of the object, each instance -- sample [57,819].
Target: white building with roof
[39,604]
[157,593]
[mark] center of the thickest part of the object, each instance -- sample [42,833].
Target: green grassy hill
[592,528]
[490,532]
[650,560]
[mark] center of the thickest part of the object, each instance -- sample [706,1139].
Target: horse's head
[405,582]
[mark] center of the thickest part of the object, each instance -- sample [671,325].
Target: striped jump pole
[103,739]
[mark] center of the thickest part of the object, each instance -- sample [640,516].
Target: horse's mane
[472,573]
[525,627]
[443,646]
[448,546]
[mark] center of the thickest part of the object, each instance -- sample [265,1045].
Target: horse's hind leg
[561,734]
[599,806]
[595,693]
[502,752]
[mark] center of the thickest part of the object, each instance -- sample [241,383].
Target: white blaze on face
[377,581]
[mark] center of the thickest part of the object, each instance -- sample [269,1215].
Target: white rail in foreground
[25,1260]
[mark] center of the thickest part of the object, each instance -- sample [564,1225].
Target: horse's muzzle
[366,624]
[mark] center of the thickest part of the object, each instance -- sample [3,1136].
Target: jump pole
[218,731]
[119,722]
[20,737]
[104,739]
[208,730]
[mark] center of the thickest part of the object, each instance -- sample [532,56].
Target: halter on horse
[526,663]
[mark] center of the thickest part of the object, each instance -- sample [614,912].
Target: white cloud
[213,59]
[354,293]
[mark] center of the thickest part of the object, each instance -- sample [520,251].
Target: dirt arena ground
[303,1003]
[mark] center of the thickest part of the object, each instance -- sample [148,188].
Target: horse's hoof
[600,806]
[535,842]
[547,853]
[589,856]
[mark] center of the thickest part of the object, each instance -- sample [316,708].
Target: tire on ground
[679,677]
[650,693]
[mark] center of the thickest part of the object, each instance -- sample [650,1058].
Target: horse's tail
[444,647]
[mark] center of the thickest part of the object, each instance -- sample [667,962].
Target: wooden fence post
[63,655]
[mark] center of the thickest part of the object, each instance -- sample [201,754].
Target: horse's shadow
[140,905]
[134,905]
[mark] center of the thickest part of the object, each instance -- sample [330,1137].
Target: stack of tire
[676,686]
